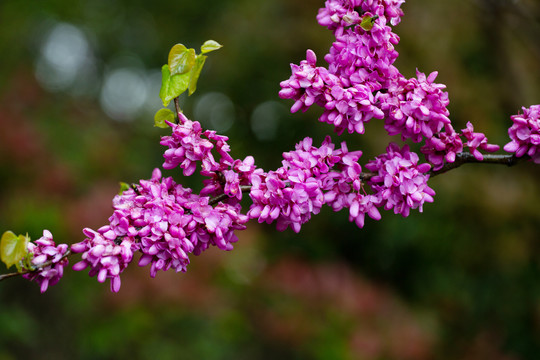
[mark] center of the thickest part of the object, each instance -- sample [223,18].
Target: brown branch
[465,157]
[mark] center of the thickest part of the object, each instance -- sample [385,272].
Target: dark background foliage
[77,96]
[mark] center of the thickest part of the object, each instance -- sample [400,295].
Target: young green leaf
[172,86]
[13,248]
[123,187]
[195,73]
[165,83]
[181,59]
[161,116]
[210,45]
[368,22]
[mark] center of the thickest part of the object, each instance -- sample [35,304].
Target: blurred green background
[79,84]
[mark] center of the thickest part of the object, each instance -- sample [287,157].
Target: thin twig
[178,110]
[465,157]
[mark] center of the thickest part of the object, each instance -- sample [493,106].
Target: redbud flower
[189,144]
[364,57]
[342,184]
[339,13]
[44,250]
[441,147]
[293,192]
[477,141]
[349,108]
[362,205]
[106,256]
[416,107]
[400,183]
[307,83]
[525,134]
[385,8]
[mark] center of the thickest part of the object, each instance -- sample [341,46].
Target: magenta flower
[307,83]
[364,57]
[230,179]
[400,182]
[44,251]
[525,134]
[189,144]
[441,147]
[106,256]
[339,13]
[349,108]
[165,222]
[477,141]
[341,185]
[293,192]
[362,205]
[415,108]
[390,9]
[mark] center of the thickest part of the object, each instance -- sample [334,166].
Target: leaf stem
[178,110]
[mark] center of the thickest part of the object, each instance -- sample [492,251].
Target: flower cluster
[189,144]
[525,134]
[346,107]
[415,108]
[359,64]
[349,108]
[400,182]
[106,256]
[477,141]
[164,222]
[344,188]
[309,178]
[360,56]
[48,259]
[292,193]
[444,146]
[338,14]
[343,13]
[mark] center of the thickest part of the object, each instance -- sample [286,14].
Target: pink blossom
[415,108]
[400,182]
[106,256]
[42,251]
[441,147]
[525,134]
[477,141]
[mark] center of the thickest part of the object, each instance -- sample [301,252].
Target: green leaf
[210,45]
[181,59]
[172,86]
[13,248]
[123,187]
[161,116]
[368,21]
[195,73]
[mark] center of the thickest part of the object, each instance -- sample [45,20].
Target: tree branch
[465,157]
